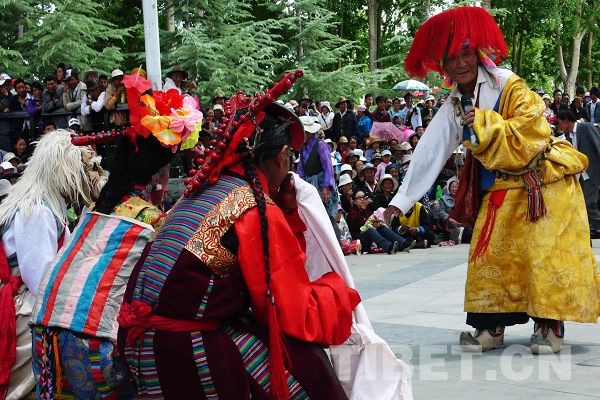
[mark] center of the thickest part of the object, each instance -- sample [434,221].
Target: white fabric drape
[364,364]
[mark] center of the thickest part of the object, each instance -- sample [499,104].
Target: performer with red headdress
[530,255]
[225,247]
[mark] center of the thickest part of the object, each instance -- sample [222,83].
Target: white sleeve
[169,84]
[85,108]
[98,105]
[416,118]
[428,159]
[36,242]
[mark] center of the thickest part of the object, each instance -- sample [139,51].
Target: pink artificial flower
[187,117]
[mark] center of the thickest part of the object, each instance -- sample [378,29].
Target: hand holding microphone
[468,119]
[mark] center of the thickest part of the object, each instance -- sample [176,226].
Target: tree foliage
[245,44]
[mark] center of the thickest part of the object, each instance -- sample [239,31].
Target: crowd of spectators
[356,171]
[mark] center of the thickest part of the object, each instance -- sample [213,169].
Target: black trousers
[493,320]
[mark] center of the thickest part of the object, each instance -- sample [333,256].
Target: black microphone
[467,104]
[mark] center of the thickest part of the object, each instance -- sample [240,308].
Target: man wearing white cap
[115,95]
[429,111]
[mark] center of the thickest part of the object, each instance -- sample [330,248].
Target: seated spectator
[349,245]
[73,92]
[414,140]
[372,147]
[376,160]
[92,107]
[420,131]
[386,190]
[394,170]
[400,150]
[416,225]
[52,96]
[381,114]
[343,147]
[49,126]
[5,188]
[5,94]
[359,165]
[21,149]
[449,227]
[351,157]
[365,181]
[386,156]
[345,191]
[370,229]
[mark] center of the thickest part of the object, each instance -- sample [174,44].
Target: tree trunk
[487,4]
[19,31]
[426,10]
[372,4]
[300,41]
[561,59]
[589,60]
[170,19]
[572,77]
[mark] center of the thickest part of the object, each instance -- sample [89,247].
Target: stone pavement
[415,302]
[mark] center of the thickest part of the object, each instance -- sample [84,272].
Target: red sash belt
[138,318]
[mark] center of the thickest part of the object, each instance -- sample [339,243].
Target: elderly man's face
[462,68]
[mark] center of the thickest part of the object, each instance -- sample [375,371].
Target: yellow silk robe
[544,268]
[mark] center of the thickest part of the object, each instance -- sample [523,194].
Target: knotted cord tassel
[494,202]
[536,207]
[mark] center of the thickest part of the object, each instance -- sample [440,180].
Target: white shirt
[170,84]
[35,241]
[593,111]
[326,121]
[97,105]
[444,134]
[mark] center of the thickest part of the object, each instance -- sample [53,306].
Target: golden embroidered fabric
[544,268]
[205,243]
[141,210]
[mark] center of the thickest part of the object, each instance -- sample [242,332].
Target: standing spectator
[365,122]
[586,140]
[53,95]
[61,74]
[177,79]
[5,86]
[556,105]
[344,121]
[92,107]
[396,110]
[411,114]
[73,92]
[103,82]
[593,110]
[90,76]
[381,114]
[368,100]
[35,103]
[429,111]
[548,113]
[326,118]
[578,109]
[18,103]
[115,94]
[315,166]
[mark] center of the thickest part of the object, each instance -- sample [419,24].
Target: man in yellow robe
[530,255]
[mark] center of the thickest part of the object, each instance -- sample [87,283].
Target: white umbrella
[411,85]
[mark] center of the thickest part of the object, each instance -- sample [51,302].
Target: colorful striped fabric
[184,219]
[83,289]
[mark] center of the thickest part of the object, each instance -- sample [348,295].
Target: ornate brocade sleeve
[511,138]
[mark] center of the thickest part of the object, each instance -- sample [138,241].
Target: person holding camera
[115,96]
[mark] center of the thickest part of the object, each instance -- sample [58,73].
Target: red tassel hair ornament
[241,114]
[444,35]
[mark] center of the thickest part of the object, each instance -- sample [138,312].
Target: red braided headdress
[239,122]
[444,35]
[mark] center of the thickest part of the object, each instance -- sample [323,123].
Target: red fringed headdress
[444,35]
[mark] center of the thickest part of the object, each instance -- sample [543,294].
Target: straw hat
[387,176]
[342,99]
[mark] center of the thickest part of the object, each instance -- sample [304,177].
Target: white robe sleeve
[428,159]
[36,245]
